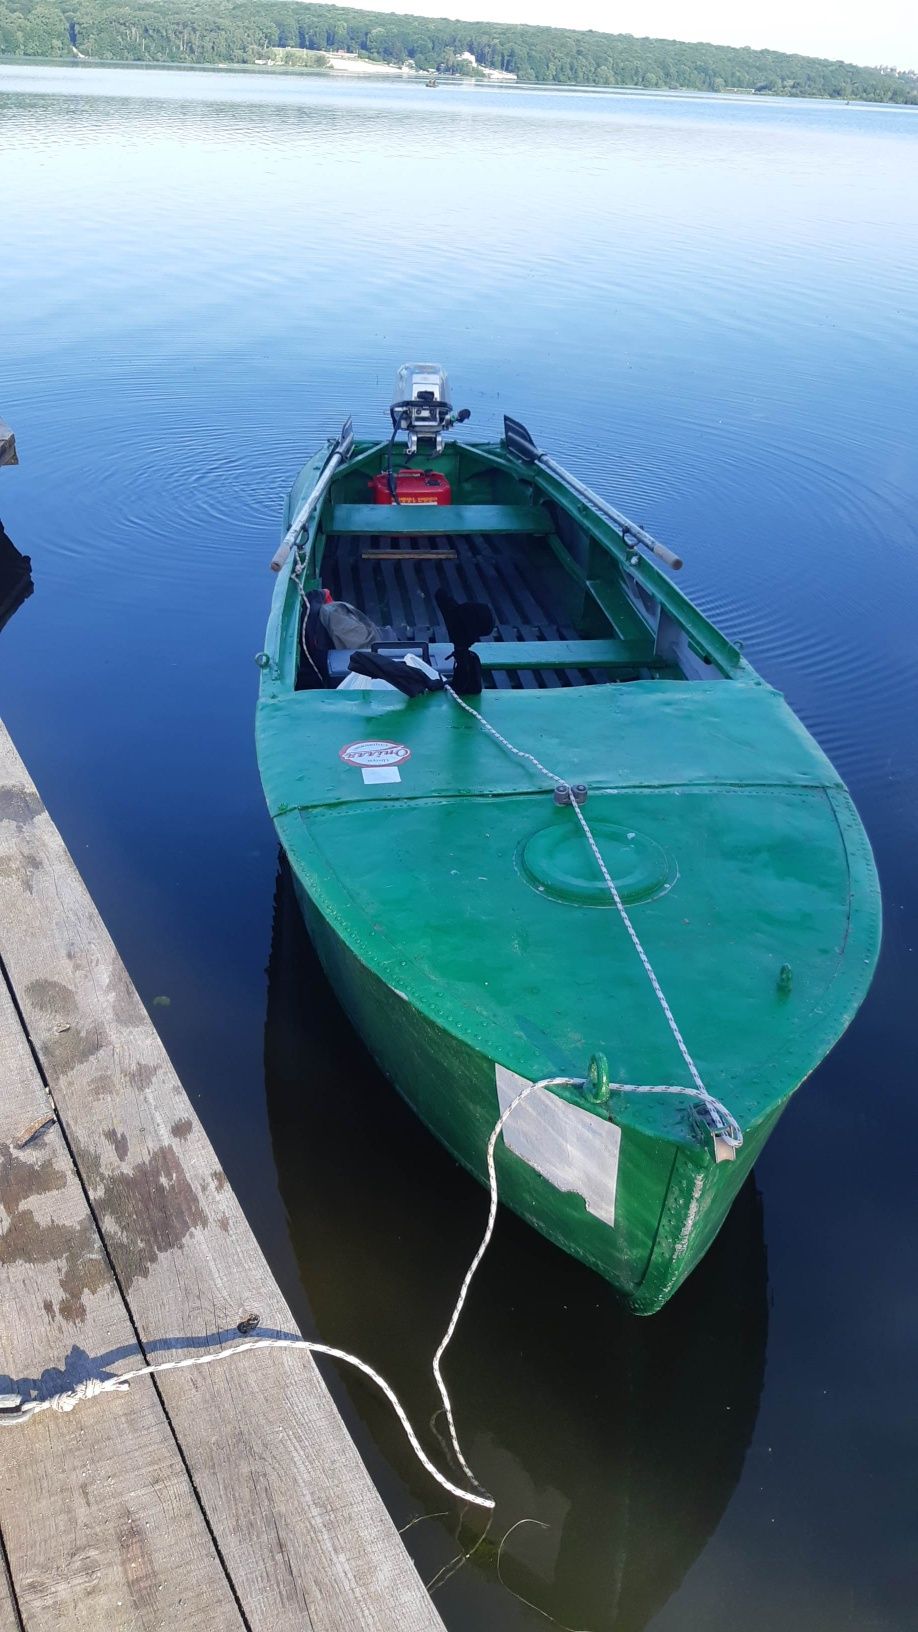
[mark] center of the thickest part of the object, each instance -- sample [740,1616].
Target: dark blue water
[710,309]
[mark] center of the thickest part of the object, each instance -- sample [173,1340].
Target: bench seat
[422,520]
[569,654]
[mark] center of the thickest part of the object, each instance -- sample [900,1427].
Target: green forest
[225,32]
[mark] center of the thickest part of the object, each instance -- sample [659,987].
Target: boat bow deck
[427,877]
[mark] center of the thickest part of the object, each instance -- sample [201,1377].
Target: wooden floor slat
[303,1533]
[400,585]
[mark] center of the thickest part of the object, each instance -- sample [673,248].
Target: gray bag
[346,627]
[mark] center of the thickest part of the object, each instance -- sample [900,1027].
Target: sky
[869,34]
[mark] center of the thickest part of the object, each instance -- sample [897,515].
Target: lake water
[708,308]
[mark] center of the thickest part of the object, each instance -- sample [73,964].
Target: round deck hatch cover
[557,861]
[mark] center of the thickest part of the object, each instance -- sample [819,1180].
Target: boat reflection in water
[15,577]
[624,1436]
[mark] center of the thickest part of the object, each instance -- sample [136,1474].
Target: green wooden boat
[450,887]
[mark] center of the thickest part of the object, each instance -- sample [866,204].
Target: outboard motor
[422,407]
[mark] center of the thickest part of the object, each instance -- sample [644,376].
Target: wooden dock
[8,455]
[223,1497]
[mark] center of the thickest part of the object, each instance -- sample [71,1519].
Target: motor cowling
[422,406]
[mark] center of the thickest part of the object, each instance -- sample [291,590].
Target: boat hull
[459,915]
[669,1201]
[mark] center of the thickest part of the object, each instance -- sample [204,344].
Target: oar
[339,451]
[519,441]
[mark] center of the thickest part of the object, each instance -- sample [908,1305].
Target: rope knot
[87,1389]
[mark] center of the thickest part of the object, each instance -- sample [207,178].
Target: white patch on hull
[572,1149]
[381,773]
[681,1247]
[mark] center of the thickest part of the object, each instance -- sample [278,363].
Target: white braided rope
[520,753]
[14,1410]
[699,1091]
[496,1131]
[635,941]
[298,580]
[91,1386]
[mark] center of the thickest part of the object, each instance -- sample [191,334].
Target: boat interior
[566,610]
[395,579]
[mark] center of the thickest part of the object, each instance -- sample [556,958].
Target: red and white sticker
[374,755]
[378,761]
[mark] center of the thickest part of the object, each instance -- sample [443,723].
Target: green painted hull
[456,911]
[451,1087]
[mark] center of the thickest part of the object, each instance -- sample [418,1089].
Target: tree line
[212,32]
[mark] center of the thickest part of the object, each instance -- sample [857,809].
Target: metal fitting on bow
[719,1128]
[566,794]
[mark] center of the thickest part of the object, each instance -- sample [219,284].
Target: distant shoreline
[311,37]
[394,76]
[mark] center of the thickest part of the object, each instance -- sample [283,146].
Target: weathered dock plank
[9,1618]
[302,1532]
[82,1520]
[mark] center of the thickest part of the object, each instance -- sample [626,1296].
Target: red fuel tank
[413,487]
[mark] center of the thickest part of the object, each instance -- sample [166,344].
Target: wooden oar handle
[674,561]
